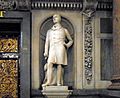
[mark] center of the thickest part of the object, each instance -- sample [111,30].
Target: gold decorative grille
[8,68]
[8,45]
[8,78]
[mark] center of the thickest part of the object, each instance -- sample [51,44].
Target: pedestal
[56,91]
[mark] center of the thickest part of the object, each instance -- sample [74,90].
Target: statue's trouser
[51,76]
[50,73]
[59,74]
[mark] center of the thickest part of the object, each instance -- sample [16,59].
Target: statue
[56,52]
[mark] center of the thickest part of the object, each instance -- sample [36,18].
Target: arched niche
[68,70]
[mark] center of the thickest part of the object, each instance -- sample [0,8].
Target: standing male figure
[56,50]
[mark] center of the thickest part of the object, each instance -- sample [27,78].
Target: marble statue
[56,52]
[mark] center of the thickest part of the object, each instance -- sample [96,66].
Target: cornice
[103,5]
[71,5]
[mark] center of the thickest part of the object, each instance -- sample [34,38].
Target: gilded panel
[8,78]
[8,45]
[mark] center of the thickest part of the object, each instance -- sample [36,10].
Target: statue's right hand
[65,45]
[45,55]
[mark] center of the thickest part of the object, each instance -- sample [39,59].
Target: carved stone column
[116,46]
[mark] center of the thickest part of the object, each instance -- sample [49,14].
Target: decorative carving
[23,4]
[89,7]
[9,45]
[15,4]
[53,4]
[8,79]
[60,4]
[88,45]
[7,4]
[71,4]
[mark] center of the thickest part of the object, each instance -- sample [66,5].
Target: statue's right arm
[46,45]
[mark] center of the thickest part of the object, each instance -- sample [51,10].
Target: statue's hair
[58,16]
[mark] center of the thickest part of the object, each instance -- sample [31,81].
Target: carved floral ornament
[89,11]
[88,47]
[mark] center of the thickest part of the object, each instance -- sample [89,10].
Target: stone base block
[115,83]
[56,91]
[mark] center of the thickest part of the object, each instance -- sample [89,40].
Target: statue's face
[56,18]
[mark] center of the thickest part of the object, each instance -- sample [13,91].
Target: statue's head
[56,18]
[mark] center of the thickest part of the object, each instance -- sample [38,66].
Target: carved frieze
[70,4]
[23,4]
[7,4]
[15,4]
[51,4]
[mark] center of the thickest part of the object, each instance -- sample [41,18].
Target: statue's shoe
[53,84]
[59,84]
[46,84]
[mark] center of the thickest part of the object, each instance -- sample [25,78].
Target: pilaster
[116,46]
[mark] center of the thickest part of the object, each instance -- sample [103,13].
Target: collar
[56,27]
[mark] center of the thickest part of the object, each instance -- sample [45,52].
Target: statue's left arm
[69,39]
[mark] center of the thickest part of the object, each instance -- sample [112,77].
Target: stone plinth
[56,91]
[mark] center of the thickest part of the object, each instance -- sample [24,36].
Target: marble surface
[56,91]
[55,88]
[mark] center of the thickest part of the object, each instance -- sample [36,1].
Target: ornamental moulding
[51,4]
[69,4]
